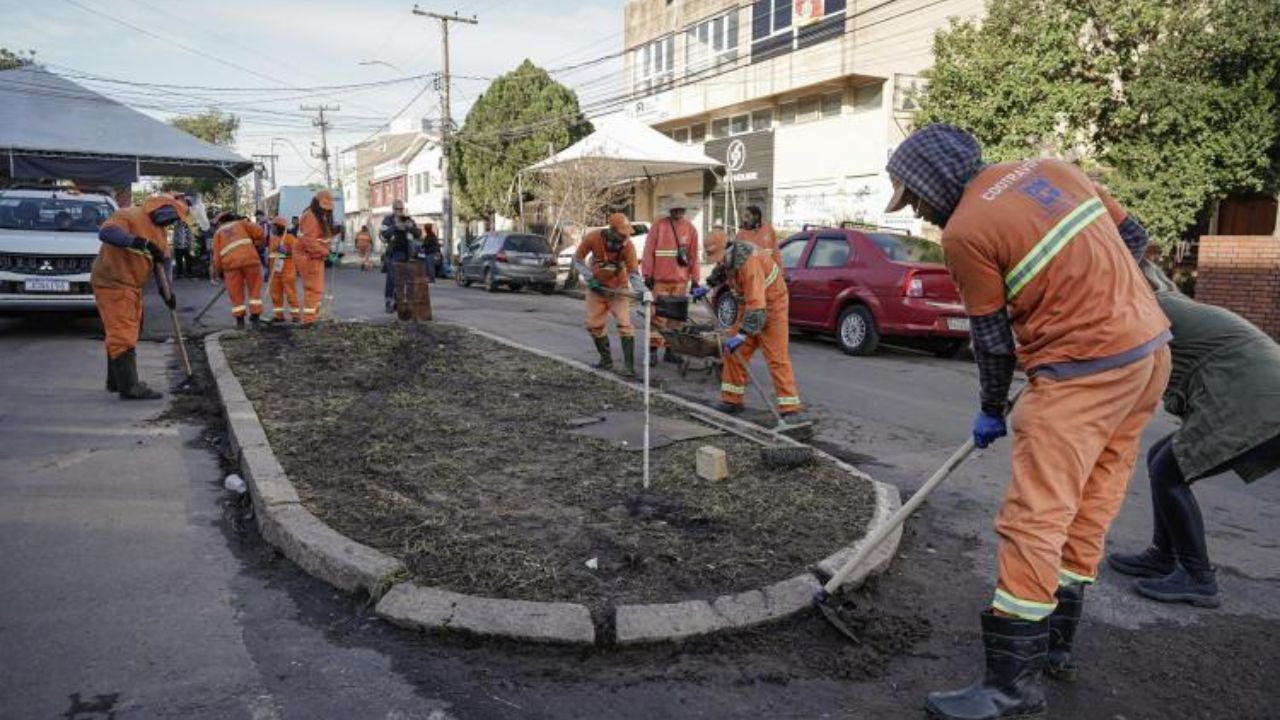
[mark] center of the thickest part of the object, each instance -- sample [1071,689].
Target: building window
[780,26]
[868,98]
[698,133]
[762,119]
[832,104]
[720,128]
[711,42]
[654,63]
[739,124]
[680,135]
[770,17]
[787,113]
[807,108]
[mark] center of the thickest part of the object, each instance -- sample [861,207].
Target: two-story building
[803,100]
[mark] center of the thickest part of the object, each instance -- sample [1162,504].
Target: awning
[52,128]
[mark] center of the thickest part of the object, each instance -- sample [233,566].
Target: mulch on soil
[452,453]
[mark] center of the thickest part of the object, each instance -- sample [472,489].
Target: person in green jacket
[1225,387]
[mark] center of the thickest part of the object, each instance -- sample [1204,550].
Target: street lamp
[367,63]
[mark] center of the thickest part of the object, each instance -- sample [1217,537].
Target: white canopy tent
[643,151]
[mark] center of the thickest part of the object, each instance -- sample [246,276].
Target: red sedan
[861,285]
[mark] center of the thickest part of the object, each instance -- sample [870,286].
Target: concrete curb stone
[425,608]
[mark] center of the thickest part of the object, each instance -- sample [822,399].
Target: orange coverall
[759,283]
[364,246]
[312,248]
[668,240]
[763,238]
[612,271]
[283,285]
[119,273]
[235,258]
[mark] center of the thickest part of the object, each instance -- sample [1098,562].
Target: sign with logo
[749,157]
[807,11]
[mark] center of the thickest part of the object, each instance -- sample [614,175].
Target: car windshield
[904,248]
[71,215]
[526,244]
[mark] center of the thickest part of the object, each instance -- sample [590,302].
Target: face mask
[164,215]
[612,240]
[751,223]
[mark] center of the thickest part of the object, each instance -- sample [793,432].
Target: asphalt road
[126,592]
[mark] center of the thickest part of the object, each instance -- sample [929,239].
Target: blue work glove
[699,292]
[988,428]
[734,342]
[594,284]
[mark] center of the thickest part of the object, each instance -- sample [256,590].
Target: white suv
[48,241]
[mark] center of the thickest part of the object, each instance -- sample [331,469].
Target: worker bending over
[612,266]
[762,323]
[315,228]
[1040,252]
[133,241]
[671,262]
[283,285]
[235,260]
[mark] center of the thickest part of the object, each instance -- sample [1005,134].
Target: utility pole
[446,123]
[257,185]
[272,158]
[323,124]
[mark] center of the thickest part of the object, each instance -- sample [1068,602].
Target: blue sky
[262,57]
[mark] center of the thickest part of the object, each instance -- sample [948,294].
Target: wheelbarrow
[698,346]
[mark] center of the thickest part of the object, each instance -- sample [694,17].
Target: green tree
[1174,104]
[520,118]
[10,59]
[218,128]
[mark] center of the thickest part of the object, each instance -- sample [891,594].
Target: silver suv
[48,241]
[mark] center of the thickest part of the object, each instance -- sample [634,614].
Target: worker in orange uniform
[364,247]
[283,286]
[1042,254]
[612,266]
[235,260]
[133,240]
[315,228]
[762,323]
[671,263]
[757,232]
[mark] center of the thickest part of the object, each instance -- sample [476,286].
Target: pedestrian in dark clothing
[1225,387]
[429,251]
[398,229]
[181,249]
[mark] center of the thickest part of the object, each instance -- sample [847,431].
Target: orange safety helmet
[279,221]
[715,245]
[325,198]
[621,224]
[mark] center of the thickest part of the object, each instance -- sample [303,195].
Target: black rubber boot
[1151,563]
[130,387]
[111,377]
[628,357]
[670,357]
[728,408]
[1015,651]
[1198,587]
[653,357]
[606,355]
[254,320]
[1062,632]
[240,323]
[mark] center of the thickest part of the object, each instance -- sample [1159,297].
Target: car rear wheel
[950,348]
[726,309]
[547,289]
[489,284]
[856,332]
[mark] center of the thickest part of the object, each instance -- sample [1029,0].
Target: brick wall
[1242,273]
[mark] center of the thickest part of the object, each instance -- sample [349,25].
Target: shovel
[826,599]
[162,280]
[205,309]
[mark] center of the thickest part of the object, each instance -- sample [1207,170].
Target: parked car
[513,259]
[564,262]
[861,285]
[48,241]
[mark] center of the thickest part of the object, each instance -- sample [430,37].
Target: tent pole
[520,200]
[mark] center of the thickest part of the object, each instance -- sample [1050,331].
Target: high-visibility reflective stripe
[773,275]
[237,308]
[733,389]
[233,246]
[1065,577]
[276,255]
[1051,244]
[665,253]
[256,303]
[310,311]
[788,401]
[294,310]
[1025,609]
[143,253]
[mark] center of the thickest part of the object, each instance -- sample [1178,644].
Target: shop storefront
[749,157]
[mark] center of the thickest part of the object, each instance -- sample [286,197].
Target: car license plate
[46,285]
[955,323]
